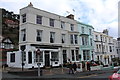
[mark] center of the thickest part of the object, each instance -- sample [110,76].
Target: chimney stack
[30,4]
[105,31]
[71,16]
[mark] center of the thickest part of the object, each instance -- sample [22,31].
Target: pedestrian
[75,67]
[70,68]
[88,66]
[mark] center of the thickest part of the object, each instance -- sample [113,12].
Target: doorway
[64,57]
[47,59]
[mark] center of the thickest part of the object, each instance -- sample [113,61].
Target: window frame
[38,19]
[82,30]
[51,22]
[23,35]
[72,27]
[23,18]
[12,57]
[62,25]
[39,35]
[63,38]
[52,37]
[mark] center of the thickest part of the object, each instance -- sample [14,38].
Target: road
[94,75]
[103,76]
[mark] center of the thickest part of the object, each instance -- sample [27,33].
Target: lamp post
[22,61]
[38,53]
[22,52]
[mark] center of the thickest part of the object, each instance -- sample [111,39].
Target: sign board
[38,52]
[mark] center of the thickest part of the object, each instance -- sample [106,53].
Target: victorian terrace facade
[55,36]
[105,49]
[86,42]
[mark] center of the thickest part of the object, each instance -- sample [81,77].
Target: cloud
[100,14]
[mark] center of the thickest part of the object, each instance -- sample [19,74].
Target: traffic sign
[38,52]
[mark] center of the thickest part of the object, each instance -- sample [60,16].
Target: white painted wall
[17,59]
[112,43]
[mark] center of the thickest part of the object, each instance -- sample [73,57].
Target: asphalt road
[103,76]
[78,76]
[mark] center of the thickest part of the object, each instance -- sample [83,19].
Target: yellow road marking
[87,76]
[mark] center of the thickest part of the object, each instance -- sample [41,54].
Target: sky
[101,14]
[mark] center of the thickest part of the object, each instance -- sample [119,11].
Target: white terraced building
[105,47]
[56,37]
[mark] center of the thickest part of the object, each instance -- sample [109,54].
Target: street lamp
[38,52]
[22,52]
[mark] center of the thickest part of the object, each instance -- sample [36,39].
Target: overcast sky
[101,14]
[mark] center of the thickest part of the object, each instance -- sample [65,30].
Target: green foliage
[7,31]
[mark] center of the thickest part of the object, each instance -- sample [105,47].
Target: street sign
[38,52]
[22,47]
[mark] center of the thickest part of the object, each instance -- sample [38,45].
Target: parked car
[115,76]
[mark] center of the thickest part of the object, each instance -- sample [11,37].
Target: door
[64,57]
[47,60]
[30,57]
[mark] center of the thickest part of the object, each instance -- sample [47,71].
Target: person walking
[70,68]
[75,67]
[88,66]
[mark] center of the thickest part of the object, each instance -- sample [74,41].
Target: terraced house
[58,40]
[105,48]
[86,42]
[55,36]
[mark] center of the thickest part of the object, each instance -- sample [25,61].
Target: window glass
[82,30]
[52,22]
[52,37]
[54,56]
[72,27]
[12,57]
[39,19]
[23,18]
[63,38]
[62,25]
[23,35]
[73,57]
[76,39]
[39,35]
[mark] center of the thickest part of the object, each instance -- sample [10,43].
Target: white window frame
[23,18]
[73,38]
[63,38]
[82,30]
[39,35]
[52,35]
[23,35]
[62,25]
[52,22]
[38,19]
[72,27]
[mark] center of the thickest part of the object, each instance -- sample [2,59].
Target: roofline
[103,33]
[85,24]
[48,12]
